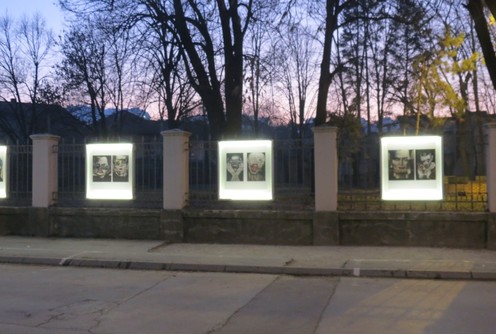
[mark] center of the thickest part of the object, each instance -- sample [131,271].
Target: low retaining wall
[248,227]
[429,229]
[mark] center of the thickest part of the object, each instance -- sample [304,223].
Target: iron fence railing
[20,175]
[460,194]
[148,176]
[293,181]
[292,177]
[71,173]
[149,170]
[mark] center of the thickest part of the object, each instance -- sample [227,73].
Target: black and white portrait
[400,164]
[101,168]
[120,167]
[234,167]
[256,166]
[425,162]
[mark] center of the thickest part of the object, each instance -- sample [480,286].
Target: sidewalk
[397,262]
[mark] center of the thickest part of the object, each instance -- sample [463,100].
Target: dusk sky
[47,8]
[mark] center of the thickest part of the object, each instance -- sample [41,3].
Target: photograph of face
[400,164]
[101,168]
[256,166]
[425,164]
[234,167]
[120,165]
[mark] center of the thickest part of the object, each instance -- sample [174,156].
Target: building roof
[19,120]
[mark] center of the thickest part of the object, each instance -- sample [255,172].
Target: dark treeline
[293,62]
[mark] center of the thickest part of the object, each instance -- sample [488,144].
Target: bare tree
[174,96]
[333,12]
[37,42]
[259,57]
[83,69]
[211,38]
[296,55]
[24,47]
[192,22]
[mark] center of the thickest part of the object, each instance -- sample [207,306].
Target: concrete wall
[457,230]
[460,230]
[248,227]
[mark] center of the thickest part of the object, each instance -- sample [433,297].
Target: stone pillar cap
[45,136]
[175,132]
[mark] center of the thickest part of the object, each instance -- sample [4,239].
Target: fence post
[491,183]
[45,168]
[491,166]
[326,168]
[326,218]
[176,169]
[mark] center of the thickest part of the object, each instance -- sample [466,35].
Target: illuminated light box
[109,171]
[412,168]
[245,170]
[3,171]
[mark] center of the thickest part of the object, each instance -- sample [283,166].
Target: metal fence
[293,181]
[460,194]
[293,177]
[20,175]
[71,173]
[148,176]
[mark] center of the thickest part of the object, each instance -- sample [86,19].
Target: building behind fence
[293,181]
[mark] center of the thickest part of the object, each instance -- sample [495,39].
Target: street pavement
[339,261]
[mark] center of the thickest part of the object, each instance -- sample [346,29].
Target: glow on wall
[245,170]
[3,171]
[412,168]
[109,171]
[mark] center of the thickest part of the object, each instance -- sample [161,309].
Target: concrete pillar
[326,168]
[176,169]
[491,166]
[45,167]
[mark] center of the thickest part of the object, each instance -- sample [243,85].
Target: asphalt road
[42,300]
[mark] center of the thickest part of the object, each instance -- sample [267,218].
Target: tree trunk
[476,9]
[207,86]
[332,14]
[233,55]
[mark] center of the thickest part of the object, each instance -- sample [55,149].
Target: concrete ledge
[326,228]
[391,273]
[42,261]
[427,229]
[11,218]
[119,223]
[481,275]
[255,269]
[172,226]
[109,264]
[248,227]
[263,227]
[491,231]
[148,266]
[301,271]
[197,267]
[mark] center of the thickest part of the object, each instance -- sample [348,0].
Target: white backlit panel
[412,168]
[109,171]
[245,170]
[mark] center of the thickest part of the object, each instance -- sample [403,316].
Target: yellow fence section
[460,194]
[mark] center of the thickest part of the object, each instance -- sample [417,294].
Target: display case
[245,170]
[412,168]
[109,171]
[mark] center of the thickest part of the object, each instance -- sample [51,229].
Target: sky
[47,8]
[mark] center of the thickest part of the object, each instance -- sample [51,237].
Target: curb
[245,269]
